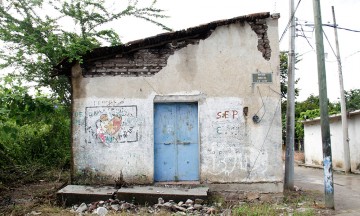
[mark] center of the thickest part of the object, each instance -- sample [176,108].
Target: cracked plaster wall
[216,72]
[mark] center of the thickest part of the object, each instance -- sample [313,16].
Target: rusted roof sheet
[195,32]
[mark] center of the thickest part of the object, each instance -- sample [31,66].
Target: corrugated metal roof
[201,31]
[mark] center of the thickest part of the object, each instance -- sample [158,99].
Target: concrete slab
[150,194]
[75,194]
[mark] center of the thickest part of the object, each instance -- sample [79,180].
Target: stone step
[76,194]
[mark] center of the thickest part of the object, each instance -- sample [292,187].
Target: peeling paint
[328,175]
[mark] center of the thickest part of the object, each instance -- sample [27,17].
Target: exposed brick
[260,21]
[260,28]
[144,62]
[138,70]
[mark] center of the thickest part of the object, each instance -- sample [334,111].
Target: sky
[189,13]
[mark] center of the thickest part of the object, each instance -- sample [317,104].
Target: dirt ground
[299,157]
[38,198]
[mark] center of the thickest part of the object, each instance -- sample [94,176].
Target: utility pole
[324,112]
[290,106]
[347,166]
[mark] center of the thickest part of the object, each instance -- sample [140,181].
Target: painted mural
[111,124]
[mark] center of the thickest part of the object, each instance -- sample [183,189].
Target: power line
[332,26]
[292,17]
[306,37]
[330,44]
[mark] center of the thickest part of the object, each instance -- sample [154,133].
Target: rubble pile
[102,208]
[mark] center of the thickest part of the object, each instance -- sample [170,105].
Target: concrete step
[76,194]
[150,194]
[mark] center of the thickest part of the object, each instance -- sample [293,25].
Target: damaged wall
[215,72]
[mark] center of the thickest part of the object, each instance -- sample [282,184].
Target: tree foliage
[352,98]
[284,74]
[37,34]
[32,129]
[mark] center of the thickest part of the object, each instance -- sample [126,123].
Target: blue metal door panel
[188,162]
[165,147]
[187,141]
[176,142]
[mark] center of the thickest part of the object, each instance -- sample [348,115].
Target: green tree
[283,88]
[36,34]
[34,132]
[352,99]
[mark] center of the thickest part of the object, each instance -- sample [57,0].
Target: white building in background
[313,143]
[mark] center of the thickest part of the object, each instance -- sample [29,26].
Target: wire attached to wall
[256,118]
[266,136]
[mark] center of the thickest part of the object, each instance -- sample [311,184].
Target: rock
[83,207]
[251,196]
[125,206]
[199,201]
[101,203]
[168,205]
[74,207]
[178,208]
[297,188]
[34,213]
[160,200]
[189,202]
[115,202]
[197,207]
[115,207]
[180,203]
[101,211]
[93,206]
[211,210]
[190,208]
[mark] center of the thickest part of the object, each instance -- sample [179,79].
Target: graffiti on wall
[228,150]
[111,124]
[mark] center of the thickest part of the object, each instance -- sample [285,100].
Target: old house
[200,105]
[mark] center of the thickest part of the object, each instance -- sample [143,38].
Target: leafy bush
[33,129]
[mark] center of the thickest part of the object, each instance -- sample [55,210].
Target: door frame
[198,99]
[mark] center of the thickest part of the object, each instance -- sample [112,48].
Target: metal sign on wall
[262,77]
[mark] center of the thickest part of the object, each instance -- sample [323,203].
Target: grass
[296,203]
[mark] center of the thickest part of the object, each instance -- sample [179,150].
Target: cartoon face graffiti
[110,125]
[106,129]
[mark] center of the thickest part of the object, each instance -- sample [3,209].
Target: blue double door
[176,142]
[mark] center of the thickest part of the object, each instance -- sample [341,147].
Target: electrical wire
[330,44]
[266,136]
[288,25]
[332,26]
[302,30]
[346,29]
[263,105]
